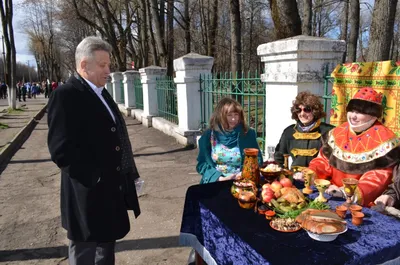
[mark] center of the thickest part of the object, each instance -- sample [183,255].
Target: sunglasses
[306,110]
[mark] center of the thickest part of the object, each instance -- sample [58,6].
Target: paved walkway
[17,119]
[30,229]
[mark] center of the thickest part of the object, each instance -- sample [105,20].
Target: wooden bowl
[270,176]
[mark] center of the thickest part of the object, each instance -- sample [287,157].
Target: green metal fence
[166,99]
[248,90]
[328,82]
[121,86]
[137,84]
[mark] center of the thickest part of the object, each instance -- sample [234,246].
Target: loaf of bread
[321,221]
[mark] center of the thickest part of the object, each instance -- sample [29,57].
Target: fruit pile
[283,196]
[272,191]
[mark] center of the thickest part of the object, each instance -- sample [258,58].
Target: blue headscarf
[229,138]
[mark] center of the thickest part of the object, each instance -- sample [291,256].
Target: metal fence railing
[166,99]
[138,87]
[247,89]
[328,83]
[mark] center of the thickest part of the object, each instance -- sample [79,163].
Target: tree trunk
[286,18]
[170,37]
[6,13]
[307,17]
[354,30]
[344,26]
[381,32]
[188,38]
[213,29]
[156,59]
[159,36]
[144,41]
[236,45]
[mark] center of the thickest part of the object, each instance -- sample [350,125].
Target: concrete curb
[15,144]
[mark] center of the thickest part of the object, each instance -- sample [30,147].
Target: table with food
[266,218]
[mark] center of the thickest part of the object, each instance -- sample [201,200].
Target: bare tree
[381,33]
[6,13]
[285,15]
[354,30]
[395,49]
[158,31]
[170,37]
[307,18]
[213,27]
[236,44]
[188,38]
[344,25]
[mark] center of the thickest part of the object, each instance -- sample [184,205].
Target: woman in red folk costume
[361,148]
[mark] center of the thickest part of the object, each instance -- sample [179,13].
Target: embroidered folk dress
[300,145]
[228,160]
[368,157]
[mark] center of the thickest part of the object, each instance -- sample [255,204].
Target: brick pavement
[30,231]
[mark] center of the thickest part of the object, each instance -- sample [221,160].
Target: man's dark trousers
[91,253]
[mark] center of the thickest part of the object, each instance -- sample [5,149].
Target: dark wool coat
[83,141]
[293,138]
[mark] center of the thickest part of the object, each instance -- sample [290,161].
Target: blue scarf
[229,138]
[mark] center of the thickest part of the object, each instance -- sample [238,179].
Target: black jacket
[302,147]
[84,143]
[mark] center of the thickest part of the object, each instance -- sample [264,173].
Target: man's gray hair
[88,46]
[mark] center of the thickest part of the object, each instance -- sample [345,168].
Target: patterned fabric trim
[304,152]
[368,156]
[306,136]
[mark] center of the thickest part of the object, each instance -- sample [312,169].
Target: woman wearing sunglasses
[302,140]
[361,148]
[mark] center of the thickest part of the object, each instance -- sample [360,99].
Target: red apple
[275,186]
[266,186]
[285,182]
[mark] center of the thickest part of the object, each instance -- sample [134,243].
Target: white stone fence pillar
[149,77]
[129,88]
[294,65]
[116,79]
[188,70]
[108,86]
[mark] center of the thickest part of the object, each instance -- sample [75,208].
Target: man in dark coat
[88,141]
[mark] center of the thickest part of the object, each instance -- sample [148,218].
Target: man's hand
[385,200]
[334,191]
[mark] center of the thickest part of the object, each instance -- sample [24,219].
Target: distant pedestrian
[24,90]
[45,89]
[89,142]
[3,90]
[54,85]
[35,90]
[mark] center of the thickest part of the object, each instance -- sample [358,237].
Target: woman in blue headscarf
[221,146]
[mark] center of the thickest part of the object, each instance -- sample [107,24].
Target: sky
[21,43]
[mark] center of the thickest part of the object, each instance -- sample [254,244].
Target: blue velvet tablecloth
[233,235]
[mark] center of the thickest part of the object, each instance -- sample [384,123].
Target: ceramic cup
[341,210]
[357,218]
[355,208]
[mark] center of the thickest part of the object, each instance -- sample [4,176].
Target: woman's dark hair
[365,107]
[219,117]
[310,100]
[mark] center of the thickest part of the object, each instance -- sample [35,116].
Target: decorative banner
[383,76]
